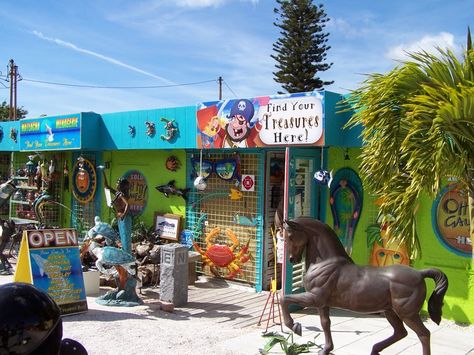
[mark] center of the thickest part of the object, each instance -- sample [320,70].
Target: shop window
[30,185]
[218,207]
[4,175]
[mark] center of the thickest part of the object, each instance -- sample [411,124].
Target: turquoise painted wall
[152,165]
[7,144]
[116,128]
[335,119]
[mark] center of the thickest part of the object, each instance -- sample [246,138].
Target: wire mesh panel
[4,175]
[83,214]
[219,206]
[36,176]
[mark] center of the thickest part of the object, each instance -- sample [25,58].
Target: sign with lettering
[138,193]
[282,120]
[50,133]
[451,219]
[49,259]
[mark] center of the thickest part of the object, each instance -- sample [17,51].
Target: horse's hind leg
[416,324]
[399,332]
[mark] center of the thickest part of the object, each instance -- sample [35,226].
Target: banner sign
[49,259]
[51,133]
[282,120]
[451,220]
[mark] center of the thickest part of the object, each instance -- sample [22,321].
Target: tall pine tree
[301,49]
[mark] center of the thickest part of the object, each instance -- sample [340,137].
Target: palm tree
[418,129]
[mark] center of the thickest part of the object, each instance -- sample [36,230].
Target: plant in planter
[141,232]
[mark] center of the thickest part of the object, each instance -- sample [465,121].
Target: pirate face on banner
[238,128]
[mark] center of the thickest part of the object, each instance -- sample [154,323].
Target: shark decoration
[171,189]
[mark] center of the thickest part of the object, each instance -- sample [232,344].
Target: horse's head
[296,240]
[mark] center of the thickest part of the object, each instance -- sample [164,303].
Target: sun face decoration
[84,180]
[384,251]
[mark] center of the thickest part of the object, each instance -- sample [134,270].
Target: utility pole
[220,87]
[12,113]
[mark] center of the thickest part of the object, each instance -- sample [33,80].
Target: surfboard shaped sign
[49,259]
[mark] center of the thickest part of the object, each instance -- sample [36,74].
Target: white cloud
[206,3]
[199,3]
[341,25]
[428,43]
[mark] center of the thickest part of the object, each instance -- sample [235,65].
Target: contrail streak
[100,56]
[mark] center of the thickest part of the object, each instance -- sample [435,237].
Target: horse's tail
[435,303]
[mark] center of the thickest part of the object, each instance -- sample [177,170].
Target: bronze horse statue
[333,280]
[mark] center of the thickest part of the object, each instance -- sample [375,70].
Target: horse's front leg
[326,325]
[304,299]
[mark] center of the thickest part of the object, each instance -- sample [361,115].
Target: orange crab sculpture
[218,255]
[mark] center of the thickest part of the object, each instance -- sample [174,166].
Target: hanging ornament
[322,176]
[200,183]
[30,168]
[52,168]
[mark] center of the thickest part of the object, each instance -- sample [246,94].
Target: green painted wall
[459,300]
[336,161]
[152,165]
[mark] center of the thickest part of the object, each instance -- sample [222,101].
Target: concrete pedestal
[174,274]
[91,282]
[193,256]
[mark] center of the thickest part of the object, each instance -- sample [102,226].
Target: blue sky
[168,42]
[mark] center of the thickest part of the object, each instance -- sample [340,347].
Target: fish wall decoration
[171,189]
[245,221]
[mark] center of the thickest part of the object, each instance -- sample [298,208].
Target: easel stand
[271,313]
[272,295]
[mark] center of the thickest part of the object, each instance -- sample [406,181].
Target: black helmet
[30,321]
[72,347]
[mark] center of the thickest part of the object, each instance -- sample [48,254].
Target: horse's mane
[317,229]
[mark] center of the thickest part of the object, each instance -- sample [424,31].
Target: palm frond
[418,128]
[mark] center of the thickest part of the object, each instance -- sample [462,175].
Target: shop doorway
[274,192]
[304,197]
